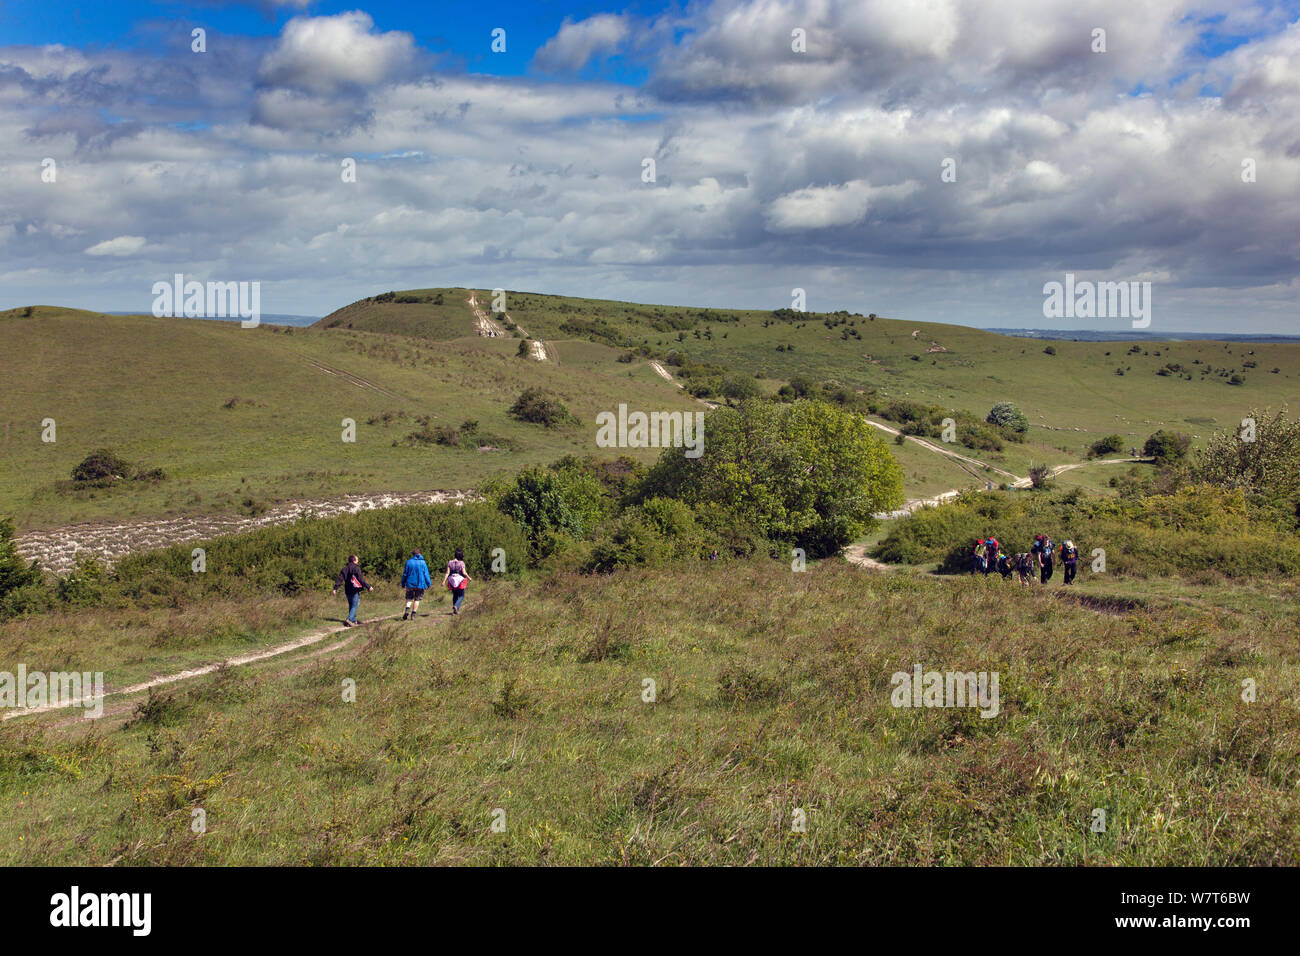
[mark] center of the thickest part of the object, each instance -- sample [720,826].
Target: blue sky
[937,160]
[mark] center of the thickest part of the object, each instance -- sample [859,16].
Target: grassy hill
[772,693]
[238,418]
[1071,398]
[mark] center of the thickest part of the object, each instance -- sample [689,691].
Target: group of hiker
[987,557]
[415,580]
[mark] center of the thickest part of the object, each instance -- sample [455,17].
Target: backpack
[1047,550]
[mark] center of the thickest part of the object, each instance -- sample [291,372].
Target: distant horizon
[948,162]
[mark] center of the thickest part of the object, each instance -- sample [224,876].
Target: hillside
[247,421]
[765,703]
[239,419]
[1071,398]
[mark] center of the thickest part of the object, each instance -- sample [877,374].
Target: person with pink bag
[456,578]
[352,583]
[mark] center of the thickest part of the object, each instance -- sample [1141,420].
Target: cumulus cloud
[323,54]
[577,42]
[773,169]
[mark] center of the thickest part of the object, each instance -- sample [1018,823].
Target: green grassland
[772,693]
[157,389]
[1071,398]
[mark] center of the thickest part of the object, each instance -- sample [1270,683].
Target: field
[772,694]
[239,419]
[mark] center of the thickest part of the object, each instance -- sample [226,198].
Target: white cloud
[577,42]
[322,54]
[821,207]
[120,246]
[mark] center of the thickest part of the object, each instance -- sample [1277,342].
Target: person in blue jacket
[415,578]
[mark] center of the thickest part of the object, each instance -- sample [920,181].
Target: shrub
[1167,447]
[21,587]
[534,406]
[1110,444]
[101,463]
[1190,531]
[309,552]
[542,501]
[1007,415]
[808,473]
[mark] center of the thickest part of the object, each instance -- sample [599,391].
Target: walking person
[991,547]
[978,560]
[1045,556]
[456,578]
[1069,561]
[1024,568]
[353,583]
[415,578]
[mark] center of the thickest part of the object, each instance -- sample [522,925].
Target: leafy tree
[544,501]
[807,473]
[738,388]
[1267,466]
[1007,415]
[1108,445]
[1167,447]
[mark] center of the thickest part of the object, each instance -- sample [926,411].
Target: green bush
[1007,415]
[100,464]
[1197,528]
[534,406]
[809,473]
[1108,445]
[1167,447]
[308,553]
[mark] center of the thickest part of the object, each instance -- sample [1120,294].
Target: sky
[935,160]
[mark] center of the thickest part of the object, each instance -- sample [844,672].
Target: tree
[738,388]
[1167,447]
[807,473]
[1007,415]
[1110,444]
[523,349]
[1267,465]
[14,571]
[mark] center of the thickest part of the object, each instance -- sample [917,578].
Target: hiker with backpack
[352,583]
[991,547]
[1044,555]
[1069,561]
[415,578]
[1005,564]
[1024,568]
[455,580]
[978,562]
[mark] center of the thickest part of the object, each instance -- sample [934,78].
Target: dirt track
[57,548]
[486,326]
